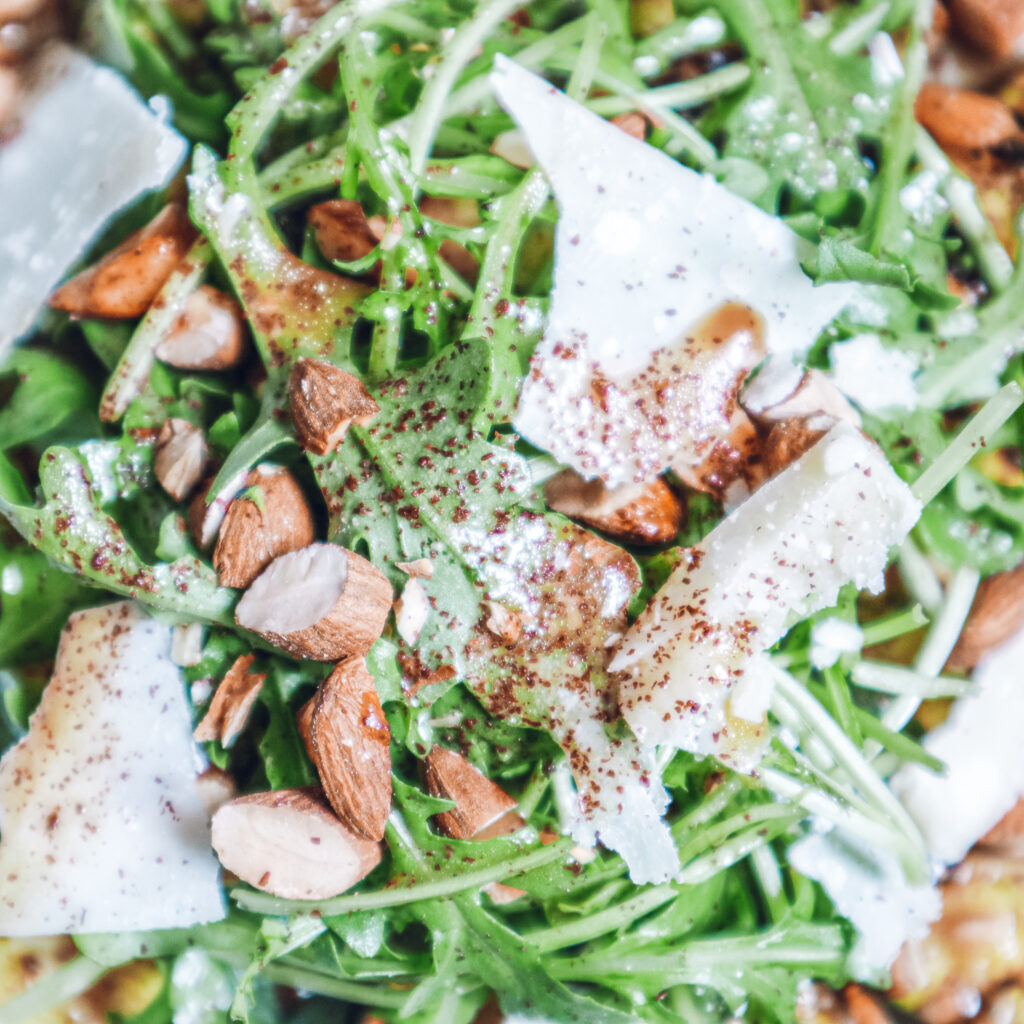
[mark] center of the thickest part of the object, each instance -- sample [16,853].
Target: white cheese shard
[877,378]
[101,823]
[88,146]
[828,519]
[645,250]
[867,886]
[980,743]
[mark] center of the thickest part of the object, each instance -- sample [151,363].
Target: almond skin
[321,602]
[324,402]
[637,514]
[994,26]
[341,229]
[959,119]
[789,439]
[996,614]
[290,844]
[208,334]
[126,281]
[478,801]
[270,518]
[181,454]
[232,703]
[350,743]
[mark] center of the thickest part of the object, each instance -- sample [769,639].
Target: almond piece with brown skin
[206,516]
[814,393]
[342,231]
[269,518]
[125,282]
[321,602]
[996,614]
[412,610]
[636,513]
[232,703]
[181,455]
[478,801]
[215,788]
[419,568]
[324,402]
[995,26]
[208,334]
[789,439]
[350,744]
[959,119]
[290,844]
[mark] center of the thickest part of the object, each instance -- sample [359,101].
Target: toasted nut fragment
[961,119]
[994,26]
[215,787]
[734,467]
[504,623]
[411,611]
[9,93]
[349,742]
[209,333]
[460,213]
[501,894]
[638,513]
[205,518]
[187,644]
[789,439]
[232,703]
[342,231]
[125,282]
[321,602]
[478,801]
[181,454]
[863,1006]
[814,393]
[289,843]
[996,614]
[22,36]
[420,568]
[20,10]
[324,402]
[513,148]
[632,123]
[270,518]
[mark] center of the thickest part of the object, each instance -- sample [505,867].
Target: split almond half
[126,281]
[349,741]
[181,454]
[478,801]
[290,844]
[270,518]
[325,401]
[232,704]
[636,513]
[208,334]
[321,602]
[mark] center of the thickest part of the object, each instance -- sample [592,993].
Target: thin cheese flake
[980,745]
[693,668]
[645,251]
[88,146]
[101,825]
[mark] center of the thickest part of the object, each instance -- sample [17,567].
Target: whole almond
[996,614]
[181,455]
[270,518]
[290,843]
[635,513]
[349,742]
[125,282]
[321,602]
[232,703]
[324,402]
[478,801]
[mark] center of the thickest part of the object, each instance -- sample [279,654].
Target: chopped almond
[209,333]
[814,394]
[411,611]
[420,568]
[636,513]
[505,624]
[181,454]
[206,516]
[215,787]
[734,465]
[321,602]
[632,123]
[232,704]
[324,402]
[994,26]
[961,119]
[513,148]
[478,801]
[289,843]
[30,31]
[996,615]
[789,439]
[460,213]
[270,518]
[863,1006]
[125,282]
[349,742]
[501,894]
[342,231]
